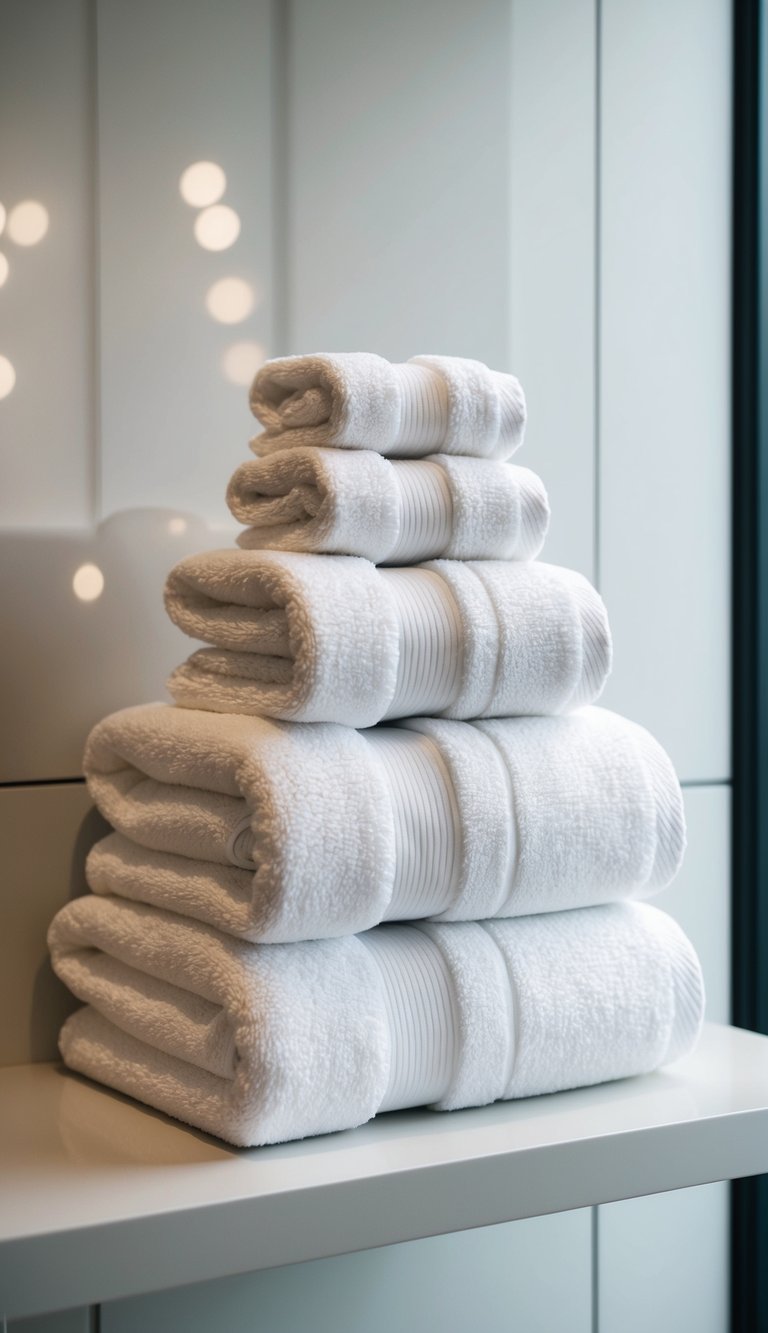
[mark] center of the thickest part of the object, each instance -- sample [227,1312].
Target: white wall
[543,184]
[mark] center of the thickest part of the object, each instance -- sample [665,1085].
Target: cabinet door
[531,1276]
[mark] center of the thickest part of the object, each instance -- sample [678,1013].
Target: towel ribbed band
[426,824]
[421,1013]
[423,408]
[431,651]
[426,511]
[450,1012]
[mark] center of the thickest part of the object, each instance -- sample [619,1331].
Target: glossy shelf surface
[102,1198]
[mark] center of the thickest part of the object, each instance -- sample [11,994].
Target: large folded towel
[329,638]
[357,400]
[262,1043]
[284,831]
[396,512]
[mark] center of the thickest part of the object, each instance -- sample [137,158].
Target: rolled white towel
[357,400]
[260,1043]
[282,832]
[325,638]
[340,502]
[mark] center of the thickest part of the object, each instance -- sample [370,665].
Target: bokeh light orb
[202,183]
[241,361]
[28,222]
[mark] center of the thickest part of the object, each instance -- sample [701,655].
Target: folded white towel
[328,638]
[262,1043]
[341,502]
[280,832]
[357,400]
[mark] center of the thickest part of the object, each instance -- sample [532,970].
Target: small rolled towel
[279,832]
[329,638]
[263,1043]
[357,400]
[392,512]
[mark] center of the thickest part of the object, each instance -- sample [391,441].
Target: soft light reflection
[28,222]
[217,228]
[2,219]
[177,526]
[230,300]
[241,361]
[202,184]
[3,269]
[88,583]
[7,377]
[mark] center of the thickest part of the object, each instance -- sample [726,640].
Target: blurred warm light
[230,300]
[88,583]
[3,269]
[2,219]
[28,222]
[176,526]
[217,228]
[202,184]
[241,361]
[7,377]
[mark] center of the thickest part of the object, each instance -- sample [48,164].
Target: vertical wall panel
[664,537]
[46,302]
[664,370]
[397,191]
[551,184]
[664,1263]
[177,85]
[663,1260]
[441,195]
[531,1276]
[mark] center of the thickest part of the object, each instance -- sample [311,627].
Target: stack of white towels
[392,722]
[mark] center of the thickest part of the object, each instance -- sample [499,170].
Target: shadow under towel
[263,1043]
[282,831]
[322,638]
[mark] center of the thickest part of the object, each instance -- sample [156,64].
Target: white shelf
[102,1198]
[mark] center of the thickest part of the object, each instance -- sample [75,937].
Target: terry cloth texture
[341,502]
[323,638]
[284,831]
[263,1043]
[357,400]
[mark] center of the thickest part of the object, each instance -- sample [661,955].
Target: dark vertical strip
[597,260]
[597,263]
[281,203]
[595,1269]
[94,258]
[749,1232]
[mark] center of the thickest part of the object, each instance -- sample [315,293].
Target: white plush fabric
[357,400]
[354,502]
[279,832]
[262,1043]
[323,638]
